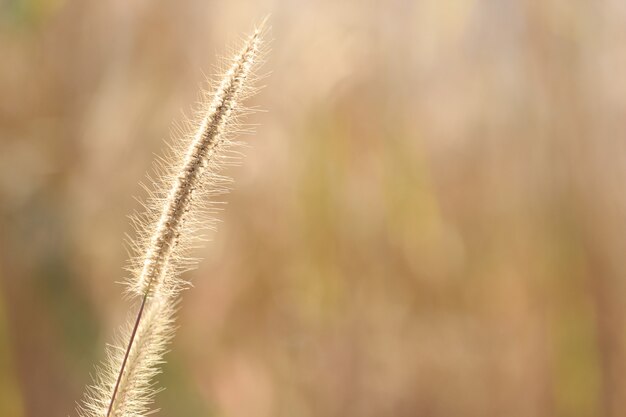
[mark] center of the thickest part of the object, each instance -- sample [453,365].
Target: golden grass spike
[124,386]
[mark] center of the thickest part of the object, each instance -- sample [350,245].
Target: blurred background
[431,220]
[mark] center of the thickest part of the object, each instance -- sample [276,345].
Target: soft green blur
[430,220]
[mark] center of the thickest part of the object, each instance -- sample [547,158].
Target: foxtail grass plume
[178,208]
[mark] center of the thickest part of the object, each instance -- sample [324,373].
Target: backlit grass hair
[178,208]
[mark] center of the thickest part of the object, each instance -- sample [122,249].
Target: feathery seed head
[178,206]
[164,252]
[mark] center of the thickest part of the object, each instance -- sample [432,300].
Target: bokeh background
[431,220]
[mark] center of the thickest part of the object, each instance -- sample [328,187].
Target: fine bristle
[180,205]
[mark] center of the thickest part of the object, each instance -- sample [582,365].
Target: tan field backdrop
[430,221]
